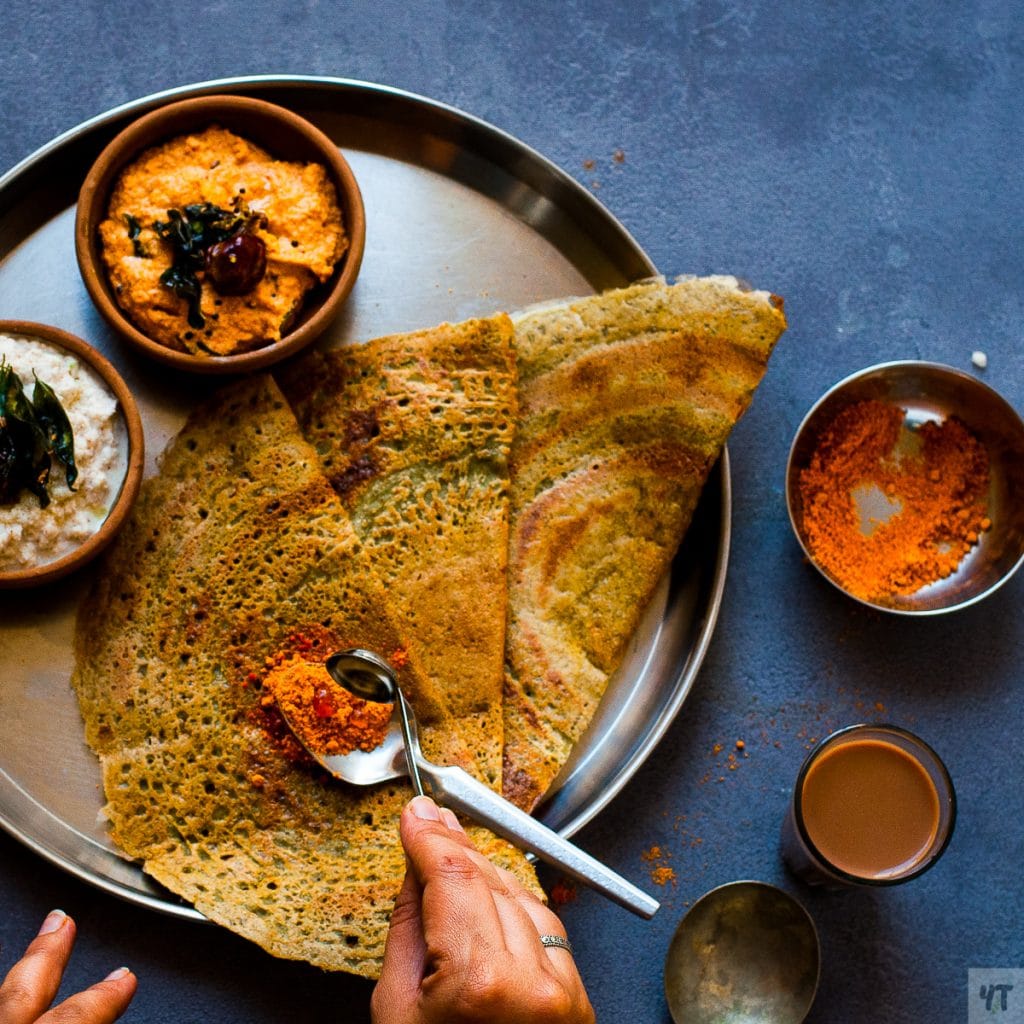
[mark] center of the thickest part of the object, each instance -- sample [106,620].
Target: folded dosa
[413,431]
[237,546]
[625,402]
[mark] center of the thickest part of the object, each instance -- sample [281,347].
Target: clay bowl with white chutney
[52,528]
[245,260]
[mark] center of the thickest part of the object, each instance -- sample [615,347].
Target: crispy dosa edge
[414,432]
[238,543]
[626,400]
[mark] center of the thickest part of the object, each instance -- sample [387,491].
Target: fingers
[544,921]
[32,983]
[479,955]
[458,905]
[513,918]
[405,954]
[555,989]
[101,1003]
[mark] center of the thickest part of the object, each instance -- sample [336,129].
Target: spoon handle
[458,790]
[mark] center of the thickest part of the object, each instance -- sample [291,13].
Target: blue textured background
[860,159]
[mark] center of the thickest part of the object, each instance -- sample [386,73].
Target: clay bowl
[134,460]
[286,136]
[932,392]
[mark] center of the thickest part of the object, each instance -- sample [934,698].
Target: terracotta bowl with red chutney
[208,254]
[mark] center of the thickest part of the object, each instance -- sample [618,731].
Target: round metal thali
[462,220]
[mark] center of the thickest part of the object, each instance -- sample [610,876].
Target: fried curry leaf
[8,465]
[57,427]
[184,283]
[26,444]
[190,233]
[134,230]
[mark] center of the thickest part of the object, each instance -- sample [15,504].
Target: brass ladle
[745,952]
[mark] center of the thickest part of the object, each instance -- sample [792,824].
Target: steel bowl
[746,951]
[930,391]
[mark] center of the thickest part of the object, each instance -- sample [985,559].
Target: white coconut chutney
[29,535]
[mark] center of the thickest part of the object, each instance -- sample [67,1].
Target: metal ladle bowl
[745,953]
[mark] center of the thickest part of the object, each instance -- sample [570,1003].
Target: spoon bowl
[370,678]
[364,675]
[384,763]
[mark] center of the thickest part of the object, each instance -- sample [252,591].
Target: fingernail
[425,808]
[449,818]
[116,975]
[54,920]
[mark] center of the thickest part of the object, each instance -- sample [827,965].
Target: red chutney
[325,716]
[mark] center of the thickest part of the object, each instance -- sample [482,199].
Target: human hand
[32,983]
[464,944]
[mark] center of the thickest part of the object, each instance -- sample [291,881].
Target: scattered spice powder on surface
[928,485]
[661,872]
[562,892]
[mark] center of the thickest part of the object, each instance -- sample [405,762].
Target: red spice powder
[661,873]
[562,892]
[311,646]
[928,486]
[325,716]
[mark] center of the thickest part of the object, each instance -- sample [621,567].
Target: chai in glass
[872,805]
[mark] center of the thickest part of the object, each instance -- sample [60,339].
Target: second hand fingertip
[53,922]
[117,975]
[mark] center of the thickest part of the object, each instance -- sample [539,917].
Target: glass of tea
[872,805]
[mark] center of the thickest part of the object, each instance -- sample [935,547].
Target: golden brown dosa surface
[626,400]
[238,544]
[413,431]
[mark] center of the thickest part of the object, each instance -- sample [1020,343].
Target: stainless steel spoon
[370,677]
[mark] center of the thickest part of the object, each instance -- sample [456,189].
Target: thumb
[404,955]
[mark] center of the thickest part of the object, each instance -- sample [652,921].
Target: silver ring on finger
[556,942]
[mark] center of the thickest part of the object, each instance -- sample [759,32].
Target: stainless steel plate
[462,220]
